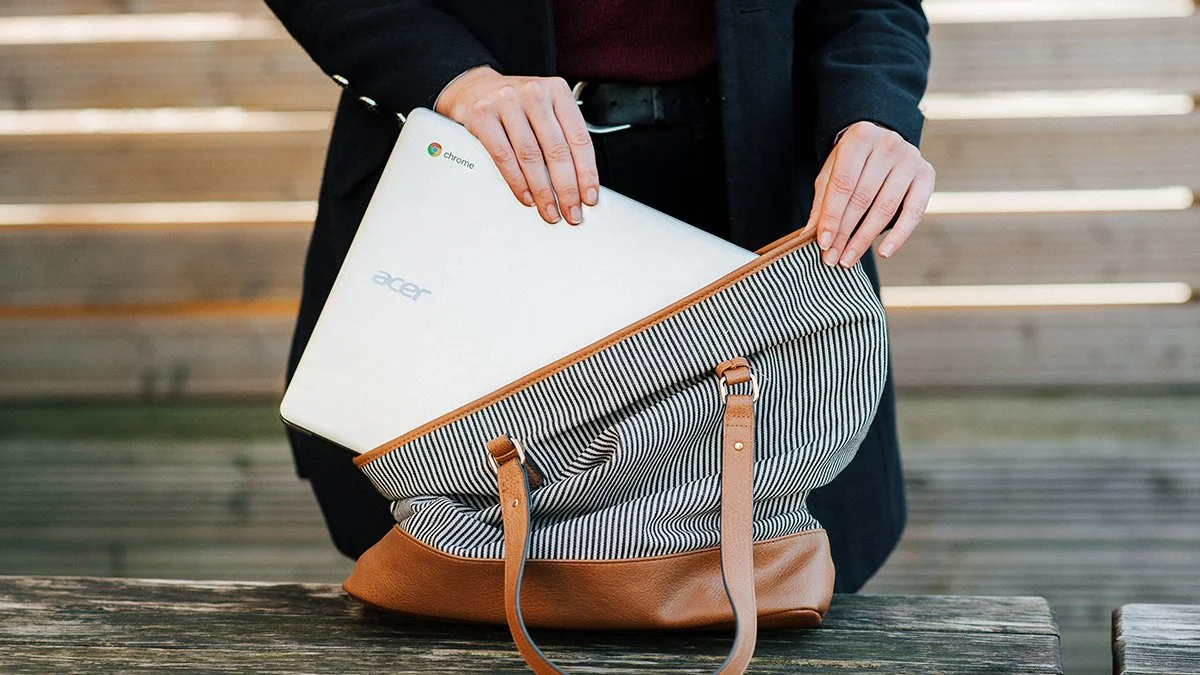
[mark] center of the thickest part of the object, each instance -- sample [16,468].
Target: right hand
[532,128]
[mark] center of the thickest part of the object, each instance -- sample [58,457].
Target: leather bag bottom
[793,577]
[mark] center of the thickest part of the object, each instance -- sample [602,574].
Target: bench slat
[276,74]
[287,626]
[272,74]
[51,266]
[1123,54]
[107,265]
[162,168]
[1009,155]
[1065,154]
[1047,347]
[1150,639]
[1051,248]
[60,7]
[235,349]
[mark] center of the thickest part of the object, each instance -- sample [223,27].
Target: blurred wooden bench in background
[163,297]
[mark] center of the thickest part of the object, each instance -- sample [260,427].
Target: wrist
[447,99]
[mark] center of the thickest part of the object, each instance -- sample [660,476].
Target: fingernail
[592,196]
[576,216]
[848,257]
[830,257]
[825,239]
[527,198]
[552,212]
[887,250]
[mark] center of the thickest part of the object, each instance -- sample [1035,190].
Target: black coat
[793,73]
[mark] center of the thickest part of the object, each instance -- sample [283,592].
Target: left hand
[871,175]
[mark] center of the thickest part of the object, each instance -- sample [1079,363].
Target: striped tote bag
[656,479]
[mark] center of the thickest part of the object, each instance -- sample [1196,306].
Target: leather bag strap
[737,544]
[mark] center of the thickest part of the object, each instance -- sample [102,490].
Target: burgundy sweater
[644,41]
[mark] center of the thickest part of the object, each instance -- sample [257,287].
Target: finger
[878,165]
[529,156]
[487,128]
[818,198]
[915,204]
[540,111]
[887,202]
[582,151]
[847,167]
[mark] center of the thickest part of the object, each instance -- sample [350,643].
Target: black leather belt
[619,104]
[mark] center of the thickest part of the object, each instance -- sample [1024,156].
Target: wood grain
[121,351]
[52,266]
[1151,639]
[1038,249]
[162,167]
[275,73]
[60,7]
[271,74]
[216,626]
[106,265]
[1065,154]
[1078,347]
[144,356]
[1122,54]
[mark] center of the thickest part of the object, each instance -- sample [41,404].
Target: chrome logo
[434,149]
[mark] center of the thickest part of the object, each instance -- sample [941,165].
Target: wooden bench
[67,623]
[1156,639]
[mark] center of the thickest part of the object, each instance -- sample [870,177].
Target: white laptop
[453,289]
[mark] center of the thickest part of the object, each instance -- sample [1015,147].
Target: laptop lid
[453,289]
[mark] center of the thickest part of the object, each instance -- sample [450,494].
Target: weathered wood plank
[1083,346]
[218,626]
[272,74]
[182,264]
[59,7]
[1156,639]
[942,425]
[1065,154]
[1141,53]
[131,265]
[162,167]
[275,74]
[1013,155]
[139,495]
[239,349]
[146,356]
[1037,249]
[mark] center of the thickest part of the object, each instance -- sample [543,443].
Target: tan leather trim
[735,370]
[513,484]
[793,583]
[768,254]
[737,520]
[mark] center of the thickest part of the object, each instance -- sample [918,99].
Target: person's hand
[875,173]
[532,128]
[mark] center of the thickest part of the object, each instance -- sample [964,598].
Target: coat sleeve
[399,53]
[869,60]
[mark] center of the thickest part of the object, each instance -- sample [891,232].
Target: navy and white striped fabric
[628,440]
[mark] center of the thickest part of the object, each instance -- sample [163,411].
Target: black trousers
[677,169]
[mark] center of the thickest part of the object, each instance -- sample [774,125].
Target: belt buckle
[577,91]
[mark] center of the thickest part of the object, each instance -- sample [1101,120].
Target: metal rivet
[369,102]
[514,503]
[739,446]
[341,81]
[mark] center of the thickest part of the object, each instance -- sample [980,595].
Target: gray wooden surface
[79,623]
[1154,639]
